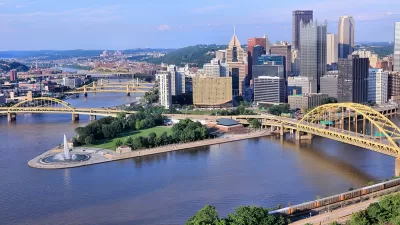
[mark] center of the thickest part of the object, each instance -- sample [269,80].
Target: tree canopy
[245,215]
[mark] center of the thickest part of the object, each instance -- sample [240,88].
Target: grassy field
[110,144]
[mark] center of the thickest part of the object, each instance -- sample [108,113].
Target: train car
[327,201]
[351,194]
[346,198]
[303,207]
[372,188]
[283,211]
[392,183]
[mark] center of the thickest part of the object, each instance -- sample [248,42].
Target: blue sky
[123,24]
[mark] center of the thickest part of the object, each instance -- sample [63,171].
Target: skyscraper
[299,15]
[332,49]
[284,49]
[13,75]
[353,79]
[165,88]
[396,57]
[308,52]
[346,36]
[378,86]
[321,52]
[251,43]
[258,51]
[236,58]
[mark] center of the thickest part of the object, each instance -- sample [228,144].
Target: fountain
[65,156]
[66,149]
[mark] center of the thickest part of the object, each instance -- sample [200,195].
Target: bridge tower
[85,91]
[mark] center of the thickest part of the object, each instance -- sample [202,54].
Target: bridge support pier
[11,117]
[299,136]
[75,117]
[397,167]
[128,94]
[93,117]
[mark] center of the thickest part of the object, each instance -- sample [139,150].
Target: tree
[277,110]
[89,140]
[255,123]
[121,115]
[152,139]
[118,143]
[253,215]
[241,109]
[208,215]
[129,141]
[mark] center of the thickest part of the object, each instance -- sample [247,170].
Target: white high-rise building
[176,80]
[396,57]
[307,85]
[212,69]
[378,86]
[332,49]
[165,88]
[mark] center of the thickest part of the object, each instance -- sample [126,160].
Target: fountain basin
[60,158]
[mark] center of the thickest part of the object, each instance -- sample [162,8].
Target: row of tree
[240,110]
[182,132]
[109,127]
[245,215]
[386,211]
[277,110]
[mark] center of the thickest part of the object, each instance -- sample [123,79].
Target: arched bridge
[55,106]
[349,123]
[101,86]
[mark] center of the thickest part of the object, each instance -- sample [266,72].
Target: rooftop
[227,122]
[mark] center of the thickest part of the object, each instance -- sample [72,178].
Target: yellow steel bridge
[114,87]
[56,106]
[349,123]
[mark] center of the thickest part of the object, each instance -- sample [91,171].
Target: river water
[169,188]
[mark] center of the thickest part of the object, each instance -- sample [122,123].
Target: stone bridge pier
[397,167]
[11,117]
[75,117]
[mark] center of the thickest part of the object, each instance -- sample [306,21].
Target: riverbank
[99,155]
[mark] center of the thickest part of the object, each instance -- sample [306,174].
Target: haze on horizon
[127,24]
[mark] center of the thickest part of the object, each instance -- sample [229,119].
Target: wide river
[168,188]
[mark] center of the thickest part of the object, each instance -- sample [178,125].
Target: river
[169,188]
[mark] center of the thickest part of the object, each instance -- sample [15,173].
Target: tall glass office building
[396,57]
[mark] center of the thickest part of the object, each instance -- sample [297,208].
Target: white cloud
[163,27]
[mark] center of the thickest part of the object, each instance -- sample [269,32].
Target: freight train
[336,200]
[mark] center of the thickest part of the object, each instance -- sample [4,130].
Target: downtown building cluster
[317,65]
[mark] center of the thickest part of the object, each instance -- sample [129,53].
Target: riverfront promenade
[104,155]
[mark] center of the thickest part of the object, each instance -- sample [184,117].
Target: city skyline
[122,24]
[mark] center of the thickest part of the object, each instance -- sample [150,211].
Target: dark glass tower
[353,79]
[306,16]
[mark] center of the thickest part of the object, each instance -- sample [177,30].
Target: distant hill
[7,66]
[381,48]
[196,55]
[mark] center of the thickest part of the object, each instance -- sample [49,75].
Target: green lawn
[110,144]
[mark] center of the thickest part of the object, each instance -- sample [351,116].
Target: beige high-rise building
[373,58]
[236,58]
[212,91]
[332,49]
[346,36]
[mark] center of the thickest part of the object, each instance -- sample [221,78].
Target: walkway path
[104,155]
